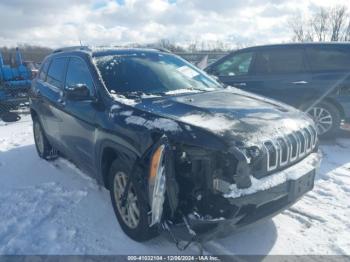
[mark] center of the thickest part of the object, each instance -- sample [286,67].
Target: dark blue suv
[313,77]
[176,150]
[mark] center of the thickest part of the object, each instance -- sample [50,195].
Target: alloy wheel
[130,211]
[323,119]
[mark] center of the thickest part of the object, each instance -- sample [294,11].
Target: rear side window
[78,74]
[43,71]
[279,61]
[56,70]
[328,59]
[238,64]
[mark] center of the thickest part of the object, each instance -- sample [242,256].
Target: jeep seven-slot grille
[290,148]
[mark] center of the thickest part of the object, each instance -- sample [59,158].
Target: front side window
[235,65]
[151,73]
[279,61]
[55,74]
[78,74]
[328,59]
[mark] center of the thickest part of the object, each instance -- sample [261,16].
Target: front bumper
[266,197]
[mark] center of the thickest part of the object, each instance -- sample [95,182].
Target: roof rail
[71,48]
[162,49]
[154,47]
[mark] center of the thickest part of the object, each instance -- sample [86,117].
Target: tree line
[324,25]
[29,53]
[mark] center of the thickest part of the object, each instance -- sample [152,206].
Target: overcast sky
[101,22]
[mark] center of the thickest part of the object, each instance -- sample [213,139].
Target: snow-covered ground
[53,208]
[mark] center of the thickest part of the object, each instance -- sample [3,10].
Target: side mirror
[77,92]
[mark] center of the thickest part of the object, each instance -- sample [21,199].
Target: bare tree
[168,44]
[297,26]
[338,16]
[347,32]
[319,24]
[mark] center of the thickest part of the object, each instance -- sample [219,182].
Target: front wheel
[326,117]
[132,212]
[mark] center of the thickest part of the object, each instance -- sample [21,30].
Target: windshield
[151,73]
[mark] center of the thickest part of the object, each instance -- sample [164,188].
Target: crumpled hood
[230,114]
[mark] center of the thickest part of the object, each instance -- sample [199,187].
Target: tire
[140,231]
[9,117]
[42,145]
[329,114]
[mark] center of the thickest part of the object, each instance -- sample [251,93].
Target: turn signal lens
[157,156]
[156,185]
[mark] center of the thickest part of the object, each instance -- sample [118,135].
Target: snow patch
[126,113]
[160,123]
[136,120]
[32,212]
[113,110]
[217,123]
[164,124]
[182,91]
[122,99]
[144,96]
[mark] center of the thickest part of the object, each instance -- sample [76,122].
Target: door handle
[299,82]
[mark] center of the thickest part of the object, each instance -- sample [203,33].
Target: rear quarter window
[328,59]
[55,75]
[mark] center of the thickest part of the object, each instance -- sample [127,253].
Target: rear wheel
[42,145]
[326,117]
[132,213]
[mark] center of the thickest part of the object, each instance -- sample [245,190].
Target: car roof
[116,51]
[305,44]
[103,51]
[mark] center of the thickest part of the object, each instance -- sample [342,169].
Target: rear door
[78,128]
[51,99]
[280,73]
[329,67]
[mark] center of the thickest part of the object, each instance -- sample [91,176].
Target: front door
[78,128]
[235,70]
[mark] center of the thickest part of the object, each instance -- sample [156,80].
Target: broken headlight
[157,184]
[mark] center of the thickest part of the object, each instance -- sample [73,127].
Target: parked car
[176,150]
[313,77]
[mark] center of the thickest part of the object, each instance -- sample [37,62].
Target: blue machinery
[15,82]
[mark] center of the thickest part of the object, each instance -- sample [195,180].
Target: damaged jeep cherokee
[177,150]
